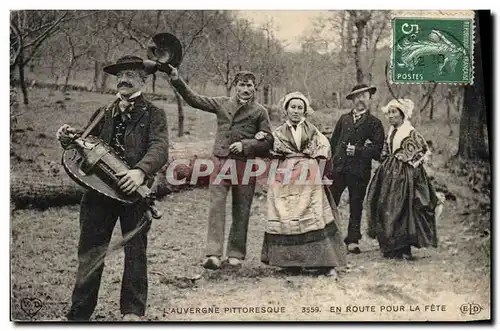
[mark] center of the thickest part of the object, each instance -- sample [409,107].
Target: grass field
[44,244]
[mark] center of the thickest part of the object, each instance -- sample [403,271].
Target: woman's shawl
[408,145]
[313,143]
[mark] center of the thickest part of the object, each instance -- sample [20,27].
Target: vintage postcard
[250,165]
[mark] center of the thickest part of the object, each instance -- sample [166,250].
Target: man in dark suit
[239,118]
[358,138]
[137,130]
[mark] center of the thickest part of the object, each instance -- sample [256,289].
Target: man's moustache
[124,84]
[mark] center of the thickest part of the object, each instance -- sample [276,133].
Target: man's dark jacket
[235,122]
[146,135]
[367,135]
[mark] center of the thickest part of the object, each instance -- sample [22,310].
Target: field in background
[44,243]
[84,79]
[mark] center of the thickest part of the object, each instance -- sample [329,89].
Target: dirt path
[432,288]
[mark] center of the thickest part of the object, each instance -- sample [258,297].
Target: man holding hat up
[137,130]
[358,138]
[239,118]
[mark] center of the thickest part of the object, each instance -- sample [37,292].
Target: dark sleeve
[336,135]
[373,150]
[209,104]
[254,147]
[157,154]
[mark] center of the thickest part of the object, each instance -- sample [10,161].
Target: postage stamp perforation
[473,64]
[447,14]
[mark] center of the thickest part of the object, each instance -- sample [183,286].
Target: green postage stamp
[433,47]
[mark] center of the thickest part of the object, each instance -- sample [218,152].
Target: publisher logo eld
[470,308]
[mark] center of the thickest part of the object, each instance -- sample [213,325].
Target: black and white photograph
[203,165]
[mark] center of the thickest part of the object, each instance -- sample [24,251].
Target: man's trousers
[98,216]
[242,195]
[357,190]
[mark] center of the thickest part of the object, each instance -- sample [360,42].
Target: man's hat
[128,62]
[166,49]
[360,88]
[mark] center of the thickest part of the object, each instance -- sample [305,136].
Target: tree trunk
[104,79]
[360,26]
[266,94]
[431,112]
[228,81]
[472,139]
[448,116]
[42,194]
[471,143]
[68,74]
[21,78]
[53,68]
[180,112]
[348,37]
[96,76]
[153,83]
[342,33]
[12,74]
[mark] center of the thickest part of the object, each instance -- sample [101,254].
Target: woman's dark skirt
[401,204]
[315,249]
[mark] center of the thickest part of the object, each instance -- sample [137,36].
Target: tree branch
[197,34]
[41,39]
[210,51]
[19,47]
[377,40]
[158,15]
[429,97]
[49,30]
[71,46]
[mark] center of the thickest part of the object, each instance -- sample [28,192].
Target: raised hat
[165,49]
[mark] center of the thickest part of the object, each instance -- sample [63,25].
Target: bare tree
[268,28]
[353,39]
[34,28]
[377,30]
[222,68]
[360,19]
[190,33]
[76,51]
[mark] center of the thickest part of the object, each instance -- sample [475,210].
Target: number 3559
[310,309]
